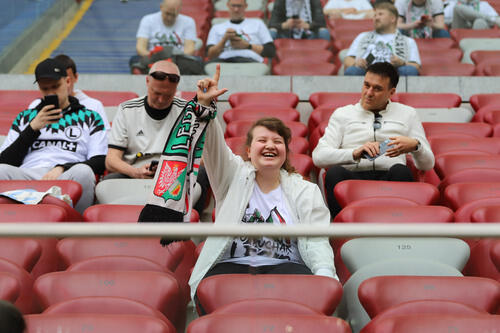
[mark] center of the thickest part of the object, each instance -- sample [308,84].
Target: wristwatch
[249,46]
[418,145]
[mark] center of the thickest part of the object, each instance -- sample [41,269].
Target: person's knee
[6,171]
[400,172]
[335,174]
[82,174]
[324,33]
[440,33]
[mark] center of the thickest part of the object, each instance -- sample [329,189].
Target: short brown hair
[387,6]
[277,126]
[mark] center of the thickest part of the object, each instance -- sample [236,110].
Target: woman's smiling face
[267,149]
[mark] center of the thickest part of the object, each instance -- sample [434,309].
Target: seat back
[124,191]
[486,214]
[458,194]
[445,145]
[471,175]
[112,213]
[302,163]
[250,323]
[428,100]
[25,302]
[394,214]
[23,251]
[298,145]
[241,127]
[278,99]
[478,101]
[117,263]
[351,190]
[318,292]
[433,129]
[257,112]
[70,187]
[9,287]
[111,98]
[266,306]
[452,163]
[32,213]
[480,262]
[495,254]
[305,68]
[333,99]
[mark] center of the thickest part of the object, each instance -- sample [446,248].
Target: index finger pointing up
[217,73]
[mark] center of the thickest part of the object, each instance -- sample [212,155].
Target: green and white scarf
[401,47]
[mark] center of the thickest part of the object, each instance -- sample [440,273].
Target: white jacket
[351,126]
[232,181]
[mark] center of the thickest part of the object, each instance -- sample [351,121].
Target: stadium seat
[333,99]
[302,44]
[238,68]
[351,190]
[318,120]
[492,117]
[486,214]
[26,302]
[316,134]
[111,98]
[459,34]
[318,292]
[380,293]
[471,175]
[480,56]
[70,187]
[250,323]
[268,99]
[430,56]
[106,305]
[255,113]
[266,306]
[304,68]
[434,44]
[434,323]
[394,214]
[469,45]
[495,254]
[124,191]
[465,211]
[117,263]
[23,251]
[492,70]
[428,100]
[298,145]
[112,213]
[73,250]
[480,262]
[158,290]
[444,130]
[9,287]
[384,201]
[95,323]
[241,127]
[478,101]
[302,163]
[447,69]
[284,56]
[14,101]
[447,145]
[5,124]
[458,194]
[449,164]
[17,212]
[248,13]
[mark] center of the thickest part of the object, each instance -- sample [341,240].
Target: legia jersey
[79,135]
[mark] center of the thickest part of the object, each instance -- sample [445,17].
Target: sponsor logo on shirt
[61,144]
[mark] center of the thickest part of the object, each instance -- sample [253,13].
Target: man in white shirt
[87,101]
[166,34]
[472,14]
[348,9]
[384,44]
[422,18]
[239,39]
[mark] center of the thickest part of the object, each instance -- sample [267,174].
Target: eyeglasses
[377,124]
[161,76]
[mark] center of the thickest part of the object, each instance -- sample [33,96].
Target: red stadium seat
[266,306]
[303,44]
[492,69]
[434,323]
[287,55]
[434,44]
[117,263]
[158,290]
[428,100]
[348,191]
[459,34]
[431,56]
[333,99]
[95,323]
[366,24]
[70,187]
[458,194]
[119,213]
[394,214]
[111,98]
[448,69]
[486,214]
[23,251]
[384,201]
[106,305]
[5,124]
[14,101]
[318,292]
[9,287]
[480,56]
[302,163]
[444,130]
[319,118]
[70,214]
[379,293]
[472,175]
[250,323]
[447,145]
[298,145]
[268,99]
[17,212]
[478,101]
[495,254]
[316,134]
[248,13]
[304,68]
[491,117]
[480,262]
[26,302]
[73,250]
[464,212]
[241,127]
[257,112]
[449,164]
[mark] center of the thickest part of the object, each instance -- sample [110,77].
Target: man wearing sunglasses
[370,140]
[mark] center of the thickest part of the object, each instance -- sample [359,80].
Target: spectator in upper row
[384,44]
[471,14]
[422,18]
[298,19]
[166,34]
[348,9]
[239,39]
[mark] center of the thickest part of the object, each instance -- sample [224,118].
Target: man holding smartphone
[59,139]
[422,18]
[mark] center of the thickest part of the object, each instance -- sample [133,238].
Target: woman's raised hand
[208,88]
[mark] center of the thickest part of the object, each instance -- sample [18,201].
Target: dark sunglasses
[161,76]
[377,122]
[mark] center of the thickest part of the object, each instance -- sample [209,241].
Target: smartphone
[153,164]
[51,100]
[295,17]
[424,18]
[369,59]
[383,146]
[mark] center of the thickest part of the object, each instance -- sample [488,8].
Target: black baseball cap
[50,69]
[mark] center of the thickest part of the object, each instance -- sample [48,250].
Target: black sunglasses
[161,76]
[376,123]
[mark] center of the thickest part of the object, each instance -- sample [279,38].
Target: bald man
[165,34]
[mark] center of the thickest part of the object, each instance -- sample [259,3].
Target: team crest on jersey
[73,132]
[170,180]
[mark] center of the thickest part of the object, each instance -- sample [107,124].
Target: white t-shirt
[484,8]
[436,8]
[358,4]
[383,47]
[87,101]
[264,208]
[252,30]
[153,28]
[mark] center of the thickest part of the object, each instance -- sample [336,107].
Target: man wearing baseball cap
[58,139]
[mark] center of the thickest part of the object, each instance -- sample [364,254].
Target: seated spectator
[353,144]
[142,125]
[471,14]
[239,39]
[59,139]
[298,20]
[11,319]
[167,35]
[348,9]
[89,102]
[263,189]
[422,18]
[384,44]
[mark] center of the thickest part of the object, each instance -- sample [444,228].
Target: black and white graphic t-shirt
[264,208]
